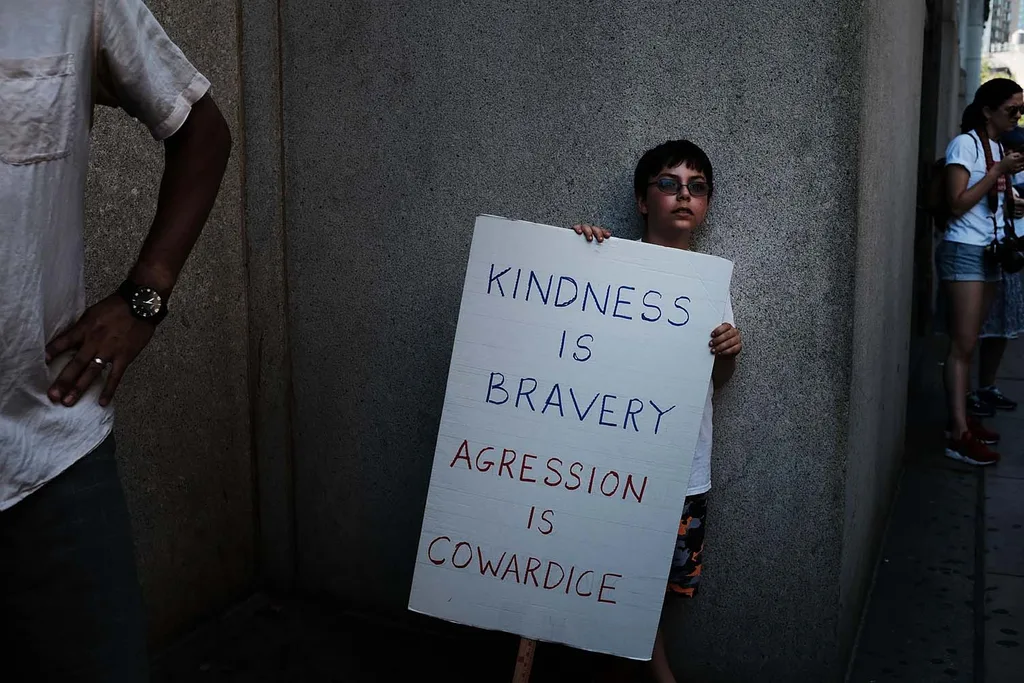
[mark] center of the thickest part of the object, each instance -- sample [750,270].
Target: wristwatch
[144,302]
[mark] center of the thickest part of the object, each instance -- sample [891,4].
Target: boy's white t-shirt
[700,470]
[975,227]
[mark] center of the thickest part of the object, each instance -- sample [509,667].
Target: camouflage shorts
[688,561]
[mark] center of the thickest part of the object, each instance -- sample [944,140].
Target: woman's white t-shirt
[975,227]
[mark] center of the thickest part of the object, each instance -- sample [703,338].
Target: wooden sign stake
[524,660]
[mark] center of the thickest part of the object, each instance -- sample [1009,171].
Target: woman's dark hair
[991,94]
[667,155]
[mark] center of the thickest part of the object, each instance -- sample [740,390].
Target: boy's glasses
[671,186]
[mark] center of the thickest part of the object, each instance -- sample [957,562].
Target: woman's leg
[967,309]
[991,356]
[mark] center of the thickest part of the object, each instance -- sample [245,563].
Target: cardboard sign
[575,393]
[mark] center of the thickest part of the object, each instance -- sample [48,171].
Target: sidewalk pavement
[948,598]
[947,604]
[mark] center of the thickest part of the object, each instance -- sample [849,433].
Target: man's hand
[592,232]
[106,332]
[726,341]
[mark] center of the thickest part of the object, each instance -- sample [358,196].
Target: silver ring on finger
[100,362]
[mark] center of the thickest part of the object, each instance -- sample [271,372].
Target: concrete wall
[892,50]
[403,120]
[183,409]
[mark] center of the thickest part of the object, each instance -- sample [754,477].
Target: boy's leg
[684,576]
[660,669]
[69,592]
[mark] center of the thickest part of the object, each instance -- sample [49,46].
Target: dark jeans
[70,604]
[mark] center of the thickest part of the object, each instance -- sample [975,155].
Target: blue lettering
[620,300]
[582,346]
[499,386]
[526,394]
[630,413]
[660,414]
[583,415]
[605,409]
[496,279]
[546,292]
[687,300]
[555,391]
[589,290]
[643,316]
[558,291]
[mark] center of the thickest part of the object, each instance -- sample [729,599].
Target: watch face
[146,303]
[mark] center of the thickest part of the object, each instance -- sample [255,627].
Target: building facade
[327,288]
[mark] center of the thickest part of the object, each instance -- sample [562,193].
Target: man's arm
[107,334]
[195,159]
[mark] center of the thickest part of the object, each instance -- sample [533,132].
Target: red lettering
[568,584]
[583,595]
[529,522]
[431,547]
[575,476]
[531,571]
[616,474]
[600,593]
[462,454]
[489,463]
[629,487]
[514,562]
[551,527]
[547,575]
[524,468]
[593,471]
[554,471]
[466,564]
[507,464]
[488,567]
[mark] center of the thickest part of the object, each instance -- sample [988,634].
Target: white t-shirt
[700,470]
[975,227]
[49,82]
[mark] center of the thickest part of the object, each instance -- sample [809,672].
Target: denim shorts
[957,262]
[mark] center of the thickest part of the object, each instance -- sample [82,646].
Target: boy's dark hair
[669,154]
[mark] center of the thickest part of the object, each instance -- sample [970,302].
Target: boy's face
[674,212]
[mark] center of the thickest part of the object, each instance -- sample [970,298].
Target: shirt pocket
[37,108]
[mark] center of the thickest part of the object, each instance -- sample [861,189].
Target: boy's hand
[592,231]
[726,341]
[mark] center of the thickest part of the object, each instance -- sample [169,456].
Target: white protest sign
[575,393]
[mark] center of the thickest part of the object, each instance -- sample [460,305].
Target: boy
[673,184]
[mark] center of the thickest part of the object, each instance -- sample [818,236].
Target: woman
[977,181]
[1005,322]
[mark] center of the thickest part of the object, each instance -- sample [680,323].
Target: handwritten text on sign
[575,393]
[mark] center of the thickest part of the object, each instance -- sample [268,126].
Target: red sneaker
[970,450]
[986,436]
